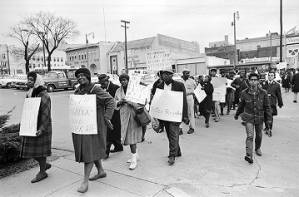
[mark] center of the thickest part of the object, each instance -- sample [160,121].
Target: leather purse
[142,116]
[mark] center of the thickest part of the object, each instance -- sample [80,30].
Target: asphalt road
[213,158]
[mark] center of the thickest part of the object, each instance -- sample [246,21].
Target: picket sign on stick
[219,84]
[167,105]
[83,114]
[29,118]
[200,94]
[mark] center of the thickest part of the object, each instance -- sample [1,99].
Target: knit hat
[103,76]
[84,71]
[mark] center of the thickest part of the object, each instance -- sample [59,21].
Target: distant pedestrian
[254,108]
[190,86]
[172,128]
[113,136]
[205,107]
[131,130]
[295,85]
[39,147]
[273,89]
[90,149]
[286,81]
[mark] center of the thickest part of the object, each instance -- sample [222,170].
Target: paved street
[212,163]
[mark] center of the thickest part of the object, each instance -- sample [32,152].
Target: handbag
[142,116]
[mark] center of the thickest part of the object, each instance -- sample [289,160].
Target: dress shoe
[258,152]
[171,161]
[39,177]
[116,150]
[191,130]
[207,125]
[248,159]
[98,176]
[295,101]
[270,133]
[133,164]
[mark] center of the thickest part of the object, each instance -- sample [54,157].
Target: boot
[133,164]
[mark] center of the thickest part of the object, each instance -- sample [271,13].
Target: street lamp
[126,50]
[86,41]
[236,16]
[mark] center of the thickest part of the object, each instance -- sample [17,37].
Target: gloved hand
[186,120]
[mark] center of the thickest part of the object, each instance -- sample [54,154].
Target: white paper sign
[200,94]
[29,118]
[167,105]
[83,114]
[136,92]
[219,84]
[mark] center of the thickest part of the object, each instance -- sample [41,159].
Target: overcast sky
[193,20]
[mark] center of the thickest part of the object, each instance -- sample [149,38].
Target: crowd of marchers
[255,101]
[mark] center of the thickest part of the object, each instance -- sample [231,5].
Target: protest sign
[200,94]
[167,105]
[83,114]
[136,92]
[29,118]
[219,84]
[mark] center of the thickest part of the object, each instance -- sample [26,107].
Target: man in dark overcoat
[113,136]
[172,128]
[274,92]
[295,85]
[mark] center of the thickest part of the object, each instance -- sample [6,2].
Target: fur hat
[84,71]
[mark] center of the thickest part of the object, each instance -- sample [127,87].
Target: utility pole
[270,34]
[281,28]
[236,16]
[8,64]
[126,50]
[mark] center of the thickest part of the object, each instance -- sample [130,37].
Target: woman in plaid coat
[39,147]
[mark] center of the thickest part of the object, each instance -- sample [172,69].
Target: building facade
[91,56]
[153,53]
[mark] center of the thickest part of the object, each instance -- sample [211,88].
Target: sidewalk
[212,165]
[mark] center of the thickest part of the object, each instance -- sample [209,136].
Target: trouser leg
[249,139]
[190,102]
[258,135]
[172,130]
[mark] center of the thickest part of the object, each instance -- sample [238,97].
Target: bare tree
[26,37]
[51,30]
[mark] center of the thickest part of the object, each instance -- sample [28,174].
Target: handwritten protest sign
[219,84]
[167,105]
[29,118]
[136,92]
[200,94]
[83,114]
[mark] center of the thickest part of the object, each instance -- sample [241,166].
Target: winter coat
[274,93]
[40,146]
[254,108]
[89,148]
[131,131]
[295,82]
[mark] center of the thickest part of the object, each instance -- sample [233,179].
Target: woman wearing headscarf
[39,147]
[90,149]
[131,131]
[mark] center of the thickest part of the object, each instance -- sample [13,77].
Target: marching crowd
[117,124]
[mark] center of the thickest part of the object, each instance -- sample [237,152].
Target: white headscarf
[38,82]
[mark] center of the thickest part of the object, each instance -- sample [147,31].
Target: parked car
[59,80]
[20,82]
[5,81]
